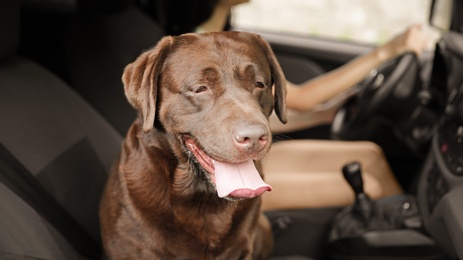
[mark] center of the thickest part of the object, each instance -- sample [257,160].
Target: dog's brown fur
[158,203]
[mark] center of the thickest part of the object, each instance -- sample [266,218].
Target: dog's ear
[141,81]
[278,78]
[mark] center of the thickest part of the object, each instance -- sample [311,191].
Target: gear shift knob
[363,205]
[353,176]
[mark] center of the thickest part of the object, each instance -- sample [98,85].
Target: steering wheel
[382,93]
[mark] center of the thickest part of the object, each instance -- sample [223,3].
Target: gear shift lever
[374,229]
[353,175]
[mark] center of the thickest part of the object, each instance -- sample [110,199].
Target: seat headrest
[9,27]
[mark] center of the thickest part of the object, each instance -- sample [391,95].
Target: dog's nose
[251,137]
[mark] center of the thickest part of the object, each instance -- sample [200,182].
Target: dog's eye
[200,89]
[259,85]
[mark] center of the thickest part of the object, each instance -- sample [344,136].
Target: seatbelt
[19,180]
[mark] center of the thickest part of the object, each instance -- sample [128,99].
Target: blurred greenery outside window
[363,21]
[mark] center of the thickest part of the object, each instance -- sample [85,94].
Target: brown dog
[185,185]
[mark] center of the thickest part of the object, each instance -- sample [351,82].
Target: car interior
[63,115]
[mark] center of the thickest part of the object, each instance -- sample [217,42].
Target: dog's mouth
[231,180]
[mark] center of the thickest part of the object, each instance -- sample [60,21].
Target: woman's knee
[372,148]
[373,187]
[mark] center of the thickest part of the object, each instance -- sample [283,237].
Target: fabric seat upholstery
[59,138]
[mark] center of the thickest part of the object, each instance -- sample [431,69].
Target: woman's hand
[411,40]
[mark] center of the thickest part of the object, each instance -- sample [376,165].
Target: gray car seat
[49,132]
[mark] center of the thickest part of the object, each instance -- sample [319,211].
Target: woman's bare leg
[307,173]
[317,189]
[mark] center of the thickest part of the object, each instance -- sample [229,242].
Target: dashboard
[440,188]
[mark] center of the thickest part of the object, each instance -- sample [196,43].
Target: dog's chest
[187,235]
[208,226]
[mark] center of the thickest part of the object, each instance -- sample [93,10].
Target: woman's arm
[307,95]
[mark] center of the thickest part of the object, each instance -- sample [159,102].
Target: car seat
[58,142]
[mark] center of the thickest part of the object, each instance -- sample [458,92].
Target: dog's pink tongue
[240,180]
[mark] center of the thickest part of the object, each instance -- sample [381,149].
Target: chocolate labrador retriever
[187,182]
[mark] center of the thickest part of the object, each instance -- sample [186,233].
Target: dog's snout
[251,137]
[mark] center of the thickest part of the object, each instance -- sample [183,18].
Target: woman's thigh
[320,155]
[319,189]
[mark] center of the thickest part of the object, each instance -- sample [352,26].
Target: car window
[364,21]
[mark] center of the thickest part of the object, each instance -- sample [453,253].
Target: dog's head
[214,92]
